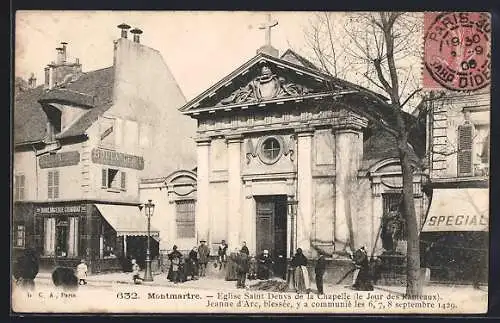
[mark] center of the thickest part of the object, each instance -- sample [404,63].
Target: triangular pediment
[265,78]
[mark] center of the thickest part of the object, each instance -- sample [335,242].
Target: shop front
[455,236]
[66,232]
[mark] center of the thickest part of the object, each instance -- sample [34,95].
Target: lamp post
[149,209]
[292,209]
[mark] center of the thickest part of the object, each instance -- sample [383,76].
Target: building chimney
[124,28]
[60,55]
[47,76]
[136,33]
[32,81]
[64,51]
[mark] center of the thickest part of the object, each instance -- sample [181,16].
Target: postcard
[250,162]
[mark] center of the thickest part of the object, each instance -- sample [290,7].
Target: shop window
[62,235]
[53,184]
[107,242]
[185,218]
[19,236]
[19,181]
[114,179]
[49,230]
[73,237]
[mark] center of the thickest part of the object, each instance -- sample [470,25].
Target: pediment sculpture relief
[267,85]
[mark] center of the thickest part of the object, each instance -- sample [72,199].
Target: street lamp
[149,209]
[292,211]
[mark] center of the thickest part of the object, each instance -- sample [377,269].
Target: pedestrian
[244,248]
[301,275]
[241,269]
[362,280]
[252,271]
[203,254]
[232,264]
[65,277]
[265,263]
[135,272]
[192,267]
[175,258]
[222,254]
[319,270]
[26,269]
[81,272]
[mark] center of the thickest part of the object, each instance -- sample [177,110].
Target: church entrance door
[271,229]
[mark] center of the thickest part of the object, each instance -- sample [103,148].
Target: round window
[270,150]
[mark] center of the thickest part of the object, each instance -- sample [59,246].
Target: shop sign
[67,158]
[61,209]
[114,158]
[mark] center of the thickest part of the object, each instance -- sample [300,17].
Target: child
[81,272]
[135,272]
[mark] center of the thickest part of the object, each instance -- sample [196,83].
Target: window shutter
[464,156]
[56,184]
[104,178]
[50,185]
[123,181]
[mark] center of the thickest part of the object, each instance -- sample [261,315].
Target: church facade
[287,158]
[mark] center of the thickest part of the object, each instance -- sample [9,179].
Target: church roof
[291,62]
[292,56]
[93,90]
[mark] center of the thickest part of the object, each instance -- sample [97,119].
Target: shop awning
[127,220]
[458,209]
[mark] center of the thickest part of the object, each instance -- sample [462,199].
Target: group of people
[182,269]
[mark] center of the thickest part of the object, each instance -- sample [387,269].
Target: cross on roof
[270,23]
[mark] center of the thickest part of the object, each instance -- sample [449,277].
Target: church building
[288,158]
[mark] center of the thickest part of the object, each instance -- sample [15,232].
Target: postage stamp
[250,162]
[457,50]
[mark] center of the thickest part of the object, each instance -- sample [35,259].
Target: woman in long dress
[300,274]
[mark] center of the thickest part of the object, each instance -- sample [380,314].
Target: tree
[20,85]
[382,49]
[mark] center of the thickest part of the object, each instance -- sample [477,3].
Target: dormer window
[54,121]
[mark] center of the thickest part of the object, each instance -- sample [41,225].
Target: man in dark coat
[26,269]
[223,254]
[242,269]
[203,254]
[192,265]
[244,248]
[265,263]
[320,271]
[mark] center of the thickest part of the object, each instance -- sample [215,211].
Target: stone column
[347,160]
[304,189]
[234,191]
[202,200]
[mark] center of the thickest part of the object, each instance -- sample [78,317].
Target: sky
[200,48]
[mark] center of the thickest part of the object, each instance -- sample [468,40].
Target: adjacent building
[82,143]
[454,237]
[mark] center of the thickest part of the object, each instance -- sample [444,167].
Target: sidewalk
[217,282]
